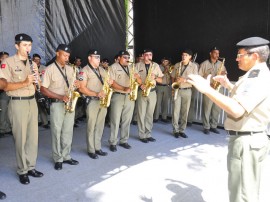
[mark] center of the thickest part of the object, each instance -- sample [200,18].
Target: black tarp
[170,26]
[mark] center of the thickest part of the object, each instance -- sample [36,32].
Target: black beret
[3,53]
[252,42]
[188,51]
[23,37]
[63,47]
[36,55]
[93,52]
[105,60]
[214,48]
[123,52]
[147,50]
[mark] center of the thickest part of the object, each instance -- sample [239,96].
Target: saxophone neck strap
[125,69]
[96,73]
[64,76]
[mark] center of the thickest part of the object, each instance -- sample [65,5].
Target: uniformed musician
[22,109]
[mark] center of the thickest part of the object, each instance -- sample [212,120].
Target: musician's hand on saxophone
[224,81]
[76,84]
[65,98]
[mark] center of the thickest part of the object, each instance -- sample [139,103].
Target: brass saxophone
[133,85]
[176,85]
[72,94]
[106,100]
[216,84]
[149,83]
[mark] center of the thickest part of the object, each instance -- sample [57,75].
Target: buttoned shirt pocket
[58,81]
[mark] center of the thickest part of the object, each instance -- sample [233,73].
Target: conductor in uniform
[248,115]
[57,80]
[22,109]
[149,72]
[121,105]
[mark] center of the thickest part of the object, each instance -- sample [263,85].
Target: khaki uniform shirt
[118,74]
[140,68]
[166,79]
[93,82]
[207,67]
[55,82]
[14,70]
[184,72]
[251,91]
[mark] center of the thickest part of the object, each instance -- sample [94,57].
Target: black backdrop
[170,26]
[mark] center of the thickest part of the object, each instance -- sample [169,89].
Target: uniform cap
[123,52]
[3,53]
[36,55]
[93,52]
[147,50]
[253,42]
[105,60]
[63,47]
[165,58]
[188,51]
[214,48]
[23,37]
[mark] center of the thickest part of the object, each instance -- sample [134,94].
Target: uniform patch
[43,72]
[3,66]
[141,71]
[18,69]
[254,73]
[81,73]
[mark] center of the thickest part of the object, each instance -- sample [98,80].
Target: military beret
[214,48]
[63,47]
[252,42]
[123,52]
[36,55]
[188,51]
[23,37]
[147,50]
[105,60]
[93,52]
[3,53]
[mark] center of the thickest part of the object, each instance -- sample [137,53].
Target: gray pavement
[170,169]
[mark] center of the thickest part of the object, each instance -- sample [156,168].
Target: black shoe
[206,131]
[144,140]
[214,130]
[58,166]
[39,123]
[24,179]
[35,173]
[150,139]
[176,134]
[125,145]
[155,120]
[71,162]
[2,195]
[46,126]
[93,155]
[183,135]
[134,122]
[101,153]
[113,148]
[189,124]
[76,125]
[165,120]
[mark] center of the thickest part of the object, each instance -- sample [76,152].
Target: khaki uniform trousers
[62,131]
[121,110]
[245,159]
[191,111]
[146,108]
[95,117]
[23,116]
[163,97]
[210,113]
[180,109]
[4,121]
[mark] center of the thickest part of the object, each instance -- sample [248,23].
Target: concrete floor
[170,169]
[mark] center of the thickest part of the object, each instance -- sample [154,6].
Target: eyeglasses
[96,56]
[126,57]
[238,56]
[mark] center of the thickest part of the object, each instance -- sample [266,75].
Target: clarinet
[40,98]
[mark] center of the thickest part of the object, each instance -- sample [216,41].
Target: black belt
[55,100]
[184,88]
[92,98]
[22,98]
[231,132]
[121,93]
[159,84]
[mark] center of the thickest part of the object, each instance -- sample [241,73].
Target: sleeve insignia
[254,73]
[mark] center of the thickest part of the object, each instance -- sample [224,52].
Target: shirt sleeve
[5,71]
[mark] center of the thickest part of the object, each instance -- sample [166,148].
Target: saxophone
[149,83]
[106,100]
[176,85]
[133,85]
[216,84]
[72,94]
